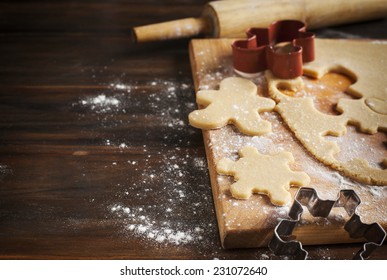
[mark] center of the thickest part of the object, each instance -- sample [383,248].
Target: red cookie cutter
[258,52]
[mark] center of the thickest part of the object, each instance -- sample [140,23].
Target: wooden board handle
[181,28]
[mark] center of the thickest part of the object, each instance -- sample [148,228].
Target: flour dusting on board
[227,141]
[360,145]
[257,213]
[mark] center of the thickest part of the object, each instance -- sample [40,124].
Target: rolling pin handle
[181,28]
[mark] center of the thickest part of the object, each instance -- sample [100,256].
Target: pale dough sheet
[366,64]
[238,102]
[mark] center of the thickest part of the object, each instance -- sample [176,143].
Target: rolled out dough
[366,64]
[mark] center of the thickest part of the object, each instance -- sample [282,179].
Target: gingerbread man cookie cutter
[373,233]
[258,52]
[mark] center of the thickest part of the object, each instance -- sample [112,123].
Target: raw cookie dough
[236,102]
[364,62]
[378,105]
[258,173]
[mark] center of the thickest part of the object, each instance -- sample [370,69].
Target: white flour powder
[163,175]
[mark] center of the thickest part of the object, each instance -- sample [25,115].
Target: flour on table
[101,103]
[4,170]
[163,175]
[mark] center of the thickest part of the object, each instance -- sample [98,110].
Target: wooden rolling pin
[231,18]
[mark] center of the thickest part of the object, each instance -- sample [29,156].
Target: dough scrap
[258,173]
[364,62]
[235,102]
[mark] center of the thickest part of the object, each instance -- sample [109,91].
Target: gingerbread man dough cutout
[235,102]
[258,173]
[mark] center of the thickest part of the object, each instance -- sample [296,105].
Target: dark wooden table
[97,160]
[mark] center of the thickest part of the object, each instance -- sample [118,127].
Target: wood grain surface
[251,222]
[97,160]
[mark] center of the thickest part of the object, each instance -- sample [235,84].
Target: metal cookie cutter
[374,234]
[258,51]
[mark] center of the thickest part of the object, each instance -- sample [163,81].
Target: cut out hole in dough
[354,144]
[325,92]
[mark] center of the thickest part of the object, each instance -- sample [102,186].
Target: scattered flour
[359,145]
[146,227]
[162,221]
[101,103]
[163,177]
[4,171]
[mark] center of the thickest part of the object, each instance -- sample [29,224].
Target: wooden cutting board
[250,223]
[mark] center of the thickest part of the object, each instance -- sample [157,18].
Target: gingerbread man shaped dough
[235,102]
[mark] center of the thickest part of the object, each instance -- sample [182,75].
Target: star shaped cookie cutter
[258,52]
[373,233]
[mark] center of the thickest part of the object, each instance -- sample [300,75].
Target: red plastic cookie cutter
[259,51]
